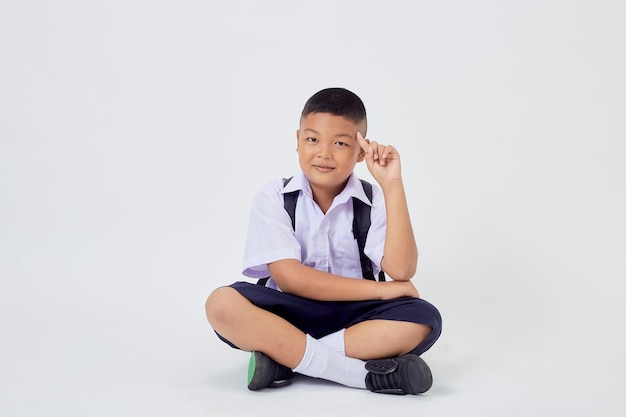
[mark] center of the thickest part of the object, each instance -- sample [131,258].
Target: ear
[361,155]
[297,140]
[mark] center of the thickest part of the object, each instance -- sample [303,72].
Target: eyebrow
[340,135]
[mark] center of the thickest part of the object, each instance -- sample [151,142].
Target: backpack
[360,226]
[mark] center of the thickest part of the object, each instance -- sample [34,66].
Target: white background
[133,135]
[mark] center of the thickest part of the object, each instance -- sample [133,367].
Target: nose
[324,152]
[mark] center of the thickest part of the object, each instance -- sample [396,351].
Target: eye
[311,140]
[340,143]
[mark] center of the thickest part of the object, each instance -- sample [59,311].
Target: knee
[219,304]
[421,332]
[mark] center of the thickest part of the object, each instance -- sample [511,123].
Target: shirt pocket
[346,260]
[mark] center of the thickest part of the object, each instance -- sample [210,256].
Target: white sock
[320,361]
[335,341]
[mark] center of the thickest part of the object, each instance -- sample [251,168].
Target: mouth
[323,168]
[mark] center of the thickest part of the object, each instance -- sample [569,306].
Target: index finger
[362,142]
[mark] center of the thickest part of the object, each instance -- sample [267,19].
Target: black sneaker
[406,374]
[264,372]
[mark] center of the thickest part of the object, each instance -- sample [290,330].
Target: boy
[316,315]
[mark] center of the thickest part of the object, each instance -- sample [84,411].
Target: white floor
[160,358]
[133,135]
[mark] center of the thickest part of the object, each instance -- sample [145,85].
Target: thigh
[317,318]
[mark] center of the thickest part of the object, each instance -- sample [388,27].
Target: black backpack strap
[290,200]
[360,227]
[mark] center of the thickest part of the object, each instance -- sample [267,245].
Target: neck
[324,196]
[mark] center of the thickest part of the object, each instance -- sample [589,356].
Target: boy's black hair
[337,101]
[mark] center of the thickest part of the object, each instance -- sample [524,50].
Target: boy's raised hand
[383,161]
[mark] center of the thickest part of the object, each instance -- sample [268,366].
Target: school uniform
[324,242]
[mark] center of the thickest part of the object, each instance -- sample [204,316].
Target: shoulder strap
[290,200]
[360,227]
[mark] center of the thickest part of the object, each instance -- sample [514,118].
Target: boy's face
[328,150]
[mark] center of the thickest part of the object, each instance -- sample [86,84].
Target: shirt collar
[353,188]
[296,183]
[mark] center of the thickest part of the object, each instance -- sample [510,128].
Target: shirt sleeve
[270,235]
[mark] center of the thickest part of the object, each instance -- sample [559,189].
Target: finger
[374,147]
[386,152]
[381,154]
[380,151]
[364,145]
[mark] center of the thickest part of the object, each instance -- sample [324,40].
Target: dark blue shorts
[320,318]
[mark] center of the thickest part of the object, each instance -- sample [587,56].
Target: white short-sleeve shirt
[322,241]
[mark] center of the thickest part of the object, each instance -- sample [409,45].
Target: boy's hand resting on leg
[397,289]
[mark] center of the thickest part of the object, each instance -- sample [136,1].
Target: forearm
[294,278]
[400,251]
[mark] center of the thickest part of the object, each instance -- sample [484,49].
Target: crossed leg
[249,327]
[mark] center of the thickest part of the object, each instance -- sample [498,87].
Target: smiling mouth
[323,167]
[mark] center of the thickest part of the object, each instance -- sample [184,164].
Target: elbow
[286,285]
[402,274]
[401,271]
[284,272]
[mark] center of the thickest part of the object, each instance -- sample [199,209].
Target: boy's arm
[400,251]
[294,278]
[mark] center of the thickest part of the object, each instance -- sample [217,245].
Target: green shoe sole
[263,372]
